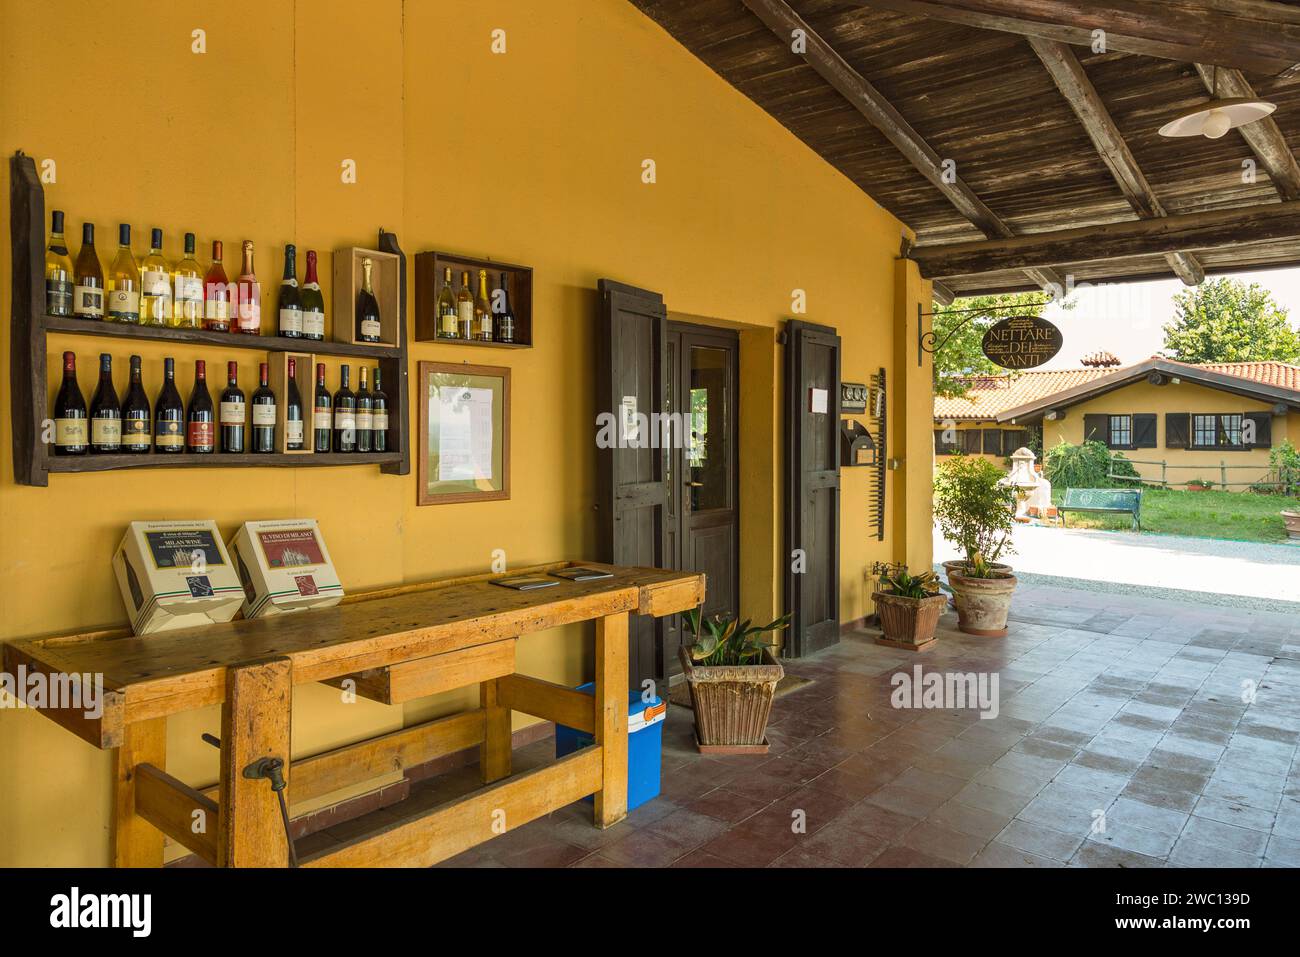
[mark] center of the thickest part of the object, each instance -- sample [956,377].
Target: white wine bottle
[447,307]
[124,281]
[155,285]
[187,306]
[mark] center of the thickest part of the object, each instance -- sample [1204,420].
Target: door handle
[695,485]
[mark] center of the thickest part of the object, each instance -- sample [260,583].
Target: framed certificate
[464,451]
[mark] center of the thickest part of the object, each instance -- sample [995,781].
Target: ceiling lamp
[1213,119]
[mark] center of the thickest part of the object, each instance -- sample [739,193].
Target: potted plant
[909,607]
[1199,485]
[732,677]
[975,510]
[1292,520]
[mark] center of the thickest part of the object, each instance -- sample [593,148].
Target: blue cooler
[644,744]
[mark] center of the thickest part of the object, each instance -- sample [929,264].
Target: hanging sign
[1021,342]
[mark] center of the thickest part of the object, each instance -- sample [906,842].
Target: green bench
[1113,500]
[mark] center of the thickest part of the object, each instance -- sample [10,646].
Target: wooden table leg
[494,752]
[611,717]
[136,842]
[255,723]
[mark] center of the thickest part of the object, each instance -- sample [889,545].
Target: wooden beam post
[136,842]
[494,753]
[255,724]
[611,718]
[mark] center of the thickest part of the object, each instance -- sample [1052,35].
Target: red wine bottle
[105,412]
[379,415]
[200,423]
[70,424]
[294,427]
[345,414]
[136,419]
[169,414]
[365,419]
[263,415]
[233,412]
[322,416]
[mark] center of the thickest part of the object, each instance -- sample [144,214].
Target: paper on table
[465,435]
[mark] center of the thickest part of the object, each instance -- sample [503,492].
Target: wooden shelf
[155,460]
[482,343]
[429,267]
[204,337]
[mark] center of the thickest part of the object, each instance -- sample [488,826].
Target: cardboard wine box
[175,575]
[284,566]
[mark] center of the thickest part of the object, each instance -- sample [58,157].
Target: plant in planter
[1199,485]
[909,607]
[732,676]
[975,511]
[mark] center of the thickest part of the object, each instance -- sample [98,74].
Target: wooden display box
[277,375]
[429,267]
[385,278]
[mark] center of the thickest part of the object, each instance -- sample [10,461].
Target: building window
[1230,430]
[1121,431]
[1217,431]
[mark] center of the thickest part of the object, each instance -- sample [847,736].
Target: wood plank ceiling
[984,99]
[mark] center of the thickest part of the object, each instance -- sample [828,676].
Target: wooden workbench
[392,646]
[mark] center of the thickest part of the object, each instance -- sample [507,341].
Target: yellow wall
[1184,464]
[534,156]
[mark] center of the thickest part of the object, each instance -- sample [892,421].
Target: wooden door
[632,476]
[812,486]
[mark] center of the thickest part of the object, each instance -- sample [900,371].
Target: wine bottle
[88,278]
[263,414]
[367,313]
[365,421]
[216,293]
[155,285]
[312,302]
[70,437]
[505,316]
[447,324]
[233,412]
[124,281]
[58,270]
[169,414]
[322,418]
[187,304]
[289,305]
[465,309]
[250,296]
[379,416]
[482,310]
[200,424]
[137,427]
[345,414]
[295,435]
[105,411]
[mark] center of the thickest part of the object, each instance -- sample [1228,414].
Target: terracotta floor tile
[725,805]
[1041,841]
[943,842]
[974,821]
[897,856]
[917,804]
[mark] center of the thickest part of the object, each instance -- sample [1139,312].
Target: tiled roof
[990,395]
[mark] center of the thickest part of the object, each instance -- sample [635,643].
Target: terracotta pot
[982,603]
[732,702]
[1199,488]
[908,622]
[959,564]
[1292,520]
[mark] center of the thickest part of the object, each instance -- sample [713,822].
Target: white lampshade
[1213,119]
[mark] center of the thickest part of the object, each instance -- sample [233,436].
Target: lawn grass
[1239,516]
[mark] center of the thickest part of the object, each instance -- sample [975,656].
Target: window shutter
[971,442]
[1144,430]
[1263,429]
[1096,428]
[992,441]
[1013,439]
[1178,430]
[940,447]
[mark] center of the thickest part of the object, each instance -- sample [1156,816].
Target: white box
[175,575]
[284,566]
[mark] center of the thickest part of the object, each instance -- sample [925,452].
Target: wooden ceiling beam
[1263,136]
[1259,36]
[1071,79]
[941,294]
[822,57]
[1186,232]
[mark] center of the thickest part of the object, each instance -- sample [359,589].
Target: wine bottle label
[106,431]
[69,431]
[370,328]
[124,305]
[293,431]
[365,421]
[313,322]
[168,434]
[485,326]
[250,306]
[200,434]
[321,418]
[135,433]
[232,413]
[216,309]
[465,312]
[291,320]
[189,289]
[345,420]
[88,301]
[379,422]
[264,414]
[447,323]
[58,297]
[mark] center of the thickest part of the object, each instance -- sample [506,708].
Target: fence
[1284,481]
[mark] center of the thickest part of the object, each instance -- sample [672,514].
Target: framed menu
[464,449]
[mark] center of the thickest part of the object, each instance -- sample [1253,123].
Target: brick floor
[1131,732]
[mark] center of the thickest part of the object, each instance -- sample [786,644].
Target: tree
[1224,320]
[962,356]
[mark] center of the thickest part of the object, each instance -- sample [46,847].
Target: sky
[1128,318]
